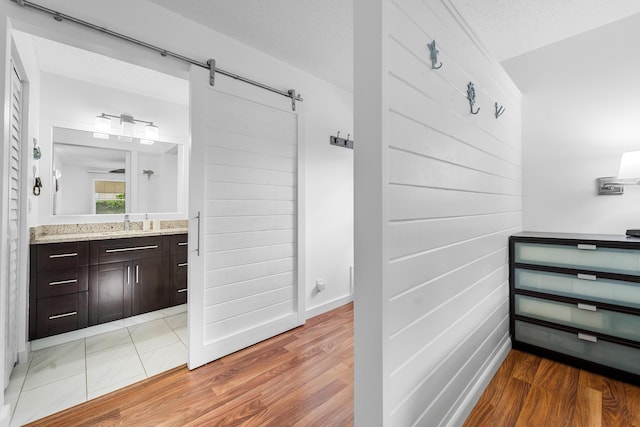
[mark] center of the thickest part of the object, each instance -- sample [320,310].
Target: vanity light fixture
[127,127]
[102,127]
[151,132]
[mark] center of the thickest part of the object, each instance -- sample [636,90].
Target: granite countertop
[59,233]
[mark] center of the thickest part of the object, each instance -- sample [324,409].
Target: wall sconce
[628,174]
[127,128]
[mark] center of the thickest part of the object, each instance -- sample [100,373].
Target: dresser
[575,298]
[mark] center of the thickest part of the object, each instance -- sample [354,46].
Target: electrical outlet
[320,286]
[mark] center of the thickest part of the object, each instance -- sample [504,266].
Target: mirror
[108,176]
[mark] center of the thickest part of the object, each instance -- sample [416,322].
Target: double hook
[499,110]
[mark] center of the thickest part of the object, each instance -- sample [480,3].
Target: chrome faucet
[126,222]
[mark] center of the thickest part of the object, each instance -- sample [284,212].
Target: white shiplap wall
[436,260]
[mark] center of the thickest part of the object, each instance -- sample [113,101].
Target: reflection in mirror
[107,176]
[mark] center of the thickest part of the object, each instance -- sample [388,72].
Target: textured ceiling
[317,35]
[313,35]
[509,28]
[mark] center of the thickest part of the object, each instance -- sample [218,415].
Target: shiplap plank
[240,175]
[410,169]
[235,191]
[255,144]
[244,255]
[248,304]
[215,208]
[419,334]
[410,306]
[406,238]
[218,331]
[416,137]
[267,122]
[233,157]
[406,274]
[226,276]
[252,239]
[221,294]
[235,224]
[409,203]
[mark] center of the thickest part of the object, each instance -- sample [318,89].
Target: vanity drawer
[55,256]
[117,250]
[583,286]
[59,314]
[579,256]
[62,282]
[582,316]
[580,346]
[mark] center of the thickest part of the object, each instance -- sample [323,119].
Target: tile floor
[72,368]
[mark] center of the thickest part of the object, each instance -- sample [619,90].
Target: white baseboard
[5,416]
[469,402]
[328,306]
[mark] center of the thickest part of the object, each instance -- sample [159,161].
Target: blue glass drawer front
[581,256]
[602,352]
[580,316]
[583,286]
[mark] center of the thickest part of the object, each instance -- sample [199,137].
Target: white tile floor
[72,368]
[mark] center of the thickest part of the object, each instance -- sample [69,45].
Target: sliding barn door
[245,284]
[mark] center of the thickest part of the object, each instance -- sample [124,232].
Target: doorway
[71,87]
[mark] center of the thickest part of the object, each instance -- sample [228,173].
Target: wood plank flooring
[528,390]
[303,377]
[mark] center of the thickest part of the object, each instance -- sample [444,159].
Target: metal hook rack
[499,110]
[341,142]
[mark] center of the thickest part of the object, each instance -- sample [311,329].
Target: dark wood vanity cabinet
[126,278]
[78,284]
[176,266]
[58,288]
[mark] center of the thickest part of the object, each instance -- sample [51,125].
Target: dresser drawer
[59,314]
[55,256]
[581,316]
[601,352]
[579,256]
[583,286]
[62,282]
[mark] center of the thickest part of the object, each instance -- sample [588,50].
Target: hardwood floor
[303,377]
[528,390]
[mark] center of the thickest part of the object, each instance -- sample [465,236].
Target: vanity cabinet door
[149,291]
[109,292]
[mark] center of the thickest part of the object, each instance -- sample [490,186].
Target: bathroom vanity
[575,298]
[84,279]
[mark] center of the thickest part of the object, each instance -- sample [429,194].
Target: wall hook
[499,110]
[433,53]
[341,142]
[471,96]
